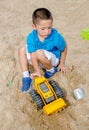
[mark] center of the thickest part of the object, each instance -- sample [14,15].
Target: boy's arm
[63,56]
[61,66]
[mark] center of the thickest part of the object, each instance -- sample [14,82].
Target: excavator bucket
[54,106]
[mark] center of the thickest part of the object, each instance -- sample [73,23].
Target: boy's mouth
[45,35]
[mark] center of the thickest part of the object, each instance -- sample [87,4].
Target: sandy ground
[17,111]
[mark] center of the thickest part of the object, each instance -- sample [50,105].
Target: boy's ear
[34,26]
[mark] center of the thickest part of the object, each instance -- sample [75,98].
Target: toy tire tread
[37,99]
[33,93]
[57,89]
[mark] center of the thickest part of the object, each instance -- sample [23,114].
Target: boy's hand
[63,68]
[35,74]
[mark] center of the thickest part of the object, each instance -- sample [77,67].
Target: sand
[17,111]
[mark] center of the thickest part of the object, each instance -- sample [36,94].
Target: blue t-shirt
[54,43]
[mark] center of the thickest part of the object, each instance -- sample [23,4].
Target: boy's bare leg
[23,58]
[50,70]
[46,63]
[43,59]
[26,80]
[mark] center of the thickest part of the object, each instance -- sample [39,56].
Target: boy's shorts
[54,60]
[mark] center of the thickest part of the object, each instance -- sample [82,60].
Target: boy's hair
[41,14]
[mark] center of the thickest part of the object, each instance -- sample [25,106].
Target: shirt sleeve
[60,43]
[30,43]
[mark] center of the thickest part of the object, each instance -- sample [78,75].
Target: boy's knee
[40,54]
[22,49]
[39,51]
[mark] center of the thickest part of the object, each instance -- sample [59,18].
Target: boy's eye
[45,28]
[42,28]
[50,28]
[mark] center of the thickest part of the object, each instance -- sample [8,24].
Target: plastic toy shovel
[85,34]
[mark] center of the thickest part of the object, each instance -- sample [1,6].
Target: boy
[45,47]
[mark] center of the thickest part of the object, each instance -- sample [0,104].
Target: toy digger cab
[47,95]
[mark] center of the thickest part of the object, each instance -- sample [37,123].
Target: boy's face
[43,28]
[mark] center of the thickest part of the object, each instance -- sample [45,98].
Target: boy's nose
[47,31]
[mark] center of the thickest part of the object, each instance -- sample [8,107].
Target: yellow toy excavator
[47,95]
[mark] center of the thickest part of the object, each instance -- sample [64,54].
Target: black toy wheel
[37,99]
[56,88]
